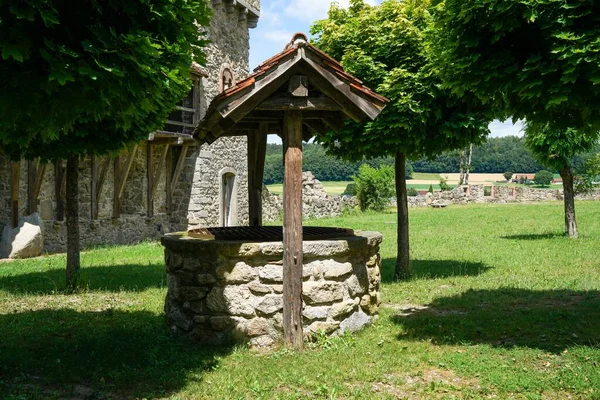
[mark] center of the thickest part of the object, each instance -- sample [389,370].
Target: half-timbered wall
[195,196]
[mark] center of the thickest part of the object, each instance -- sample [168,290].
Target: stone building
[164,184]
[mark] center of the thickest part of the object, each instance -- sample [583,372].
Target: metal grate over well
[267,233]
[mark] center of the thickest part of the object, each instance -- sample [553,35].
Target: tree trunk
[403,258]
[469,158]
[72,214]
[569,194]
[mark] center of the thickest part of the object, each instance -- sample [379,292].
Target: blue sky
[280,19]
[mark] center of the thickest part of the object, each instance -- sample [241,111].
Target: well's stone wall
[315,201]
[196,200]
[220,291]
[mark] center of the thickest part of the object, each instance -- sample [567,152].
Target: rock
[239,273]
[258,288]
[321,326]
[354,286]
[369,304]
[24,241]
[257,327]
[341,309]
[262,341]
[271,273]
[355,322]
[191,293]
[335,270]
[270,304]
[316,313]
[220,323]
[322,292]
[234,300]
[277,289]
[206,279]
[200,319]
[177,318]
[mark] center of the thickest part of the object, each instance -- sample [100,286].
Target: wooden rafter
[298,103]
[35,177]
[178,169]
[121,173]
[99,173]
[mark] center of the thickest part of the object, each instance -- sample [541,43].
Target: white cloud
[506,128]
[312,10]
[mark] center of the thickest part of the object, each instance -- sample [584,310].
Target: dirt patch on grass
[430,383]
[405,310]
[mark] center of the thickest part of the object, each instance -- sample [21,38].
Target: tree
[374,187]
[556,149]
[507,175]
[543,178]
[91,77]
[589,178]
[387,47]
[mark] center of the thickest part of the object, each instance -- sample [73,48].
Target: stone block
[257,327]
[270,304]
[221,323]
[355,322]
[259,289]
[336,271]
[232,300]
[355,288]
[322,326]
[342,309]
[271,273]
[322,292]
[316,313]
[238,273]
[24,241]
[262,341]
[206,279]
[191,293]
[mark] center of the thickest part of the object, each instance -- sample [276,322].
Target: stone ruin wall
[315,201]
[196,198]
[501,194]
[220,291]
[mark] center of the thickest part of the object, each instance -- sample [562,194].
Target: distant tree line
[496,155]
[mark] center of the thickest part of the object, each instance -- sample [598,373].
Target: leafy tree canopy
[91,76]
[387,47]
[532,59]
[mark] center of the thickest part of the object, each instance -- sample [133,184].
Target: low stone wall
[496,194]
[220,291]
[315,201]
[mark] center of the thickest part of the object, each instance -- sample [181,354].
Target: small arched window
[226,78]
[228,197]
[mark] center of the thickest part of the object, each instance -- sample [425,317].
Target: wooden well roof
[301,77]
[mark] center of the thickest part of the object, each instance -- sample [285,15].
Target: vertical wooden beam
[292,230]
[169,180]
[149,178]
[179,168]
[59,184]
[94,197]
[257,146]
[101,178]
[32,166]
[15,175]
[117,185]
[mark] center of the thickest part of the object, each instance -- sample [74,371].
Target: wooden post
[292,230]
[59,189]
[117,186]
[31,173]
[150,179]
[257,147]
[94,197]
[15,175]
[169,178]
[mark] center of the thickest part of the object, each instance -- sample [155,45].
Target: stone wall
[315,201]
[495,194]
[220,291]
[197,198]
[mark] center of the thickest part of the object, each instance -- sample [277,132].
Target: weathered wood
[277,116]
[186,109]
[177,123]
[59,184]
[168,180]
[37,185]
[158,169]
[15,179]
[298,86]
[149,179]
[292,230]
[287,102]
[257,146]
[102,173]
[317,127]
[31,172]
[116,186]
[178,168]
[94,187]
[125,172]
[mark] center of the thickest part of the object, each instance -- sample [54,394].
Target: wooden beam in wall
[173,176]
[121,173]
[35,177]
[153,174]
[99,173]
[15,178]
[257,146]
[59,189]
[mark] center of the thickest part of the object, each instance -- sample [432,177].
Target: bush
[543,178]
[374,187]
[409,171]
[350,190]
[444,187]
[430,189]
[412,192]
[587,181]
[508,175]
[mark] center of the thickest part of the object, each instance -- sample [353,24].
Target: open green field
[426,176]
[502,305]
[333,188]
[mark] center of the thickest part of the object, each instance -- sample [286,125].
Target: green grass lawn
[333,188]
[502,305]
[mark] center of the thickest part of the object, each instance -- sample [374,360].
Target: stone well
[221,291]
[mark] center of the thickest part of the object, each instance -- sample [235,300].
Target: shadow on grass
[115,353]
[128,277]
[534,236]
[431,269]
[550,320]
